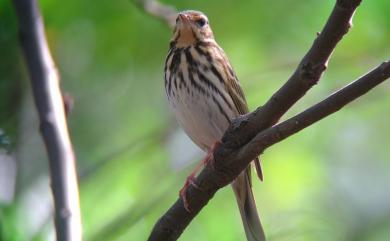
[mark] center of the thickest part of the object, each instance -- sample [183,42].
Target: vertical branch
[53,126]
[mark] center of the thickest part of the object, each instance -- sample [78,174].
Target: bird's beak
[183,17]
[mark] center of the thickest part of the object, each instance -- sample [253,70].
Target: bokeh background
[328,182]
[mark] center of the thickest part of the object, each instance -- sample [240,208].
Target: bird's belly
[203,118]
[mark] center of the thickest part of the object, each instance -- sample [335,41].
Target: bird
[205,95]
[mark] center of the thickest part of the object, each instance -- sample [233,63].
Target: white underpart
[197,113]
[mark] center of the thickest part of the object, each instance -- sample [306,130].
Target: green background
[328,182]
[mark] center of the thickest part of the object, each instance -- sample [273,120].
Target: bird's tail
[246,203]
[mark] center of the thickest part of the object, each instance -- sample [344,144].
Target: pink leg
[209,159]
[191,178]
[190,181]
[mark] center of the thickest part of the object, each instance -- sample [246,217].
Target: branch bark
[53,126]
[251,134]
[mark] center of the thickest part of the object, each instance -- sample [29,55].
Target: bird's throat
[186,38]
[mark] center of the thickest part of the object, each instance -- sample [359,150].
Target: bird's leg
[191,181]
[209,159]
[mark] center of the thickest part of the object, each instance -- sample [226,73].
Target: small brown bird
[205,95]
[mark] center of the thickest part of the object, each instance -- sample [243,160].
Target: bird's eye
[201,22]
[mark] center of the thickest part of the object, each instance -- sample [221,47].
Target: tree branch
[160,11]
[53,127]
[307,74]
[229,166]
[245,138]
[330,105]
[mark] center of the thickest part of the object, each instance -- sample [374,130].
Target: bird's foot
[183,191]
[208,160]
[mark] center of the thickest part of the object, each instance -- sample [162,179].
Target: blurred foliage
[329,182]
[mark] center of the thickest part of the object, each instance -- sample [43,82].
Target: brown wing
[234,89]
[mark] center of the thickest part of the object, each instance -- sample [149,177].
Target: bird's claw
[190,181]
[208,160]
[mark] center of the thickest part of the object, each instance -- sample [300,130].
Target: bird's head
[191,27]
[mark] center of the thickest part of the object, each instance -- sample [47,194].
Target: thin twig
[53,126]
[160,11]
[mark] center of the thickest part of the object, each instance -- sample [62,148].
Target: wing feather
[235,91]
